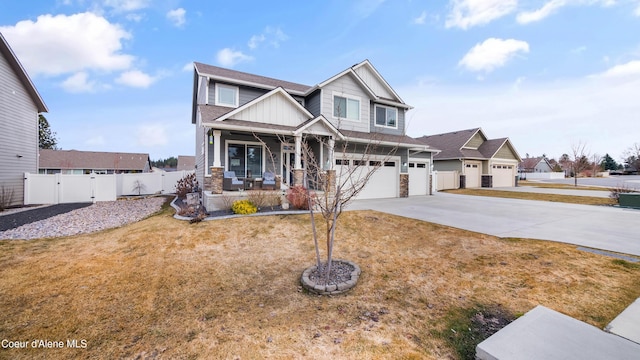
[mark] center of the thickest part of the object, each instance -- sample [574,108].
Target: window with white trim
[346,108]
[227,95]
[386,116]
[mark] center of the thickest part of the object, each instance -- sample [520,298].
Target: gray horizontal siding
[18,132]
[386,130]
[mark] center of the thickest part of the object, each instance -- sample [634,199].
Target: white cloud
[177,16]
[579,50]
[492,53]
[469,13]
[152,135]
[637,11]
[188,67]
[79,83]
[632,68]
[54,45]
[420,20]
[537,15]
[96,141]
[134,17]
[272,36]
[127,5]
[229,58]
[135,78]
[364,8]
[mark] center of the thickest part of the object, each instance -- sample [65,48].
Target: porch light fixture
[210,137]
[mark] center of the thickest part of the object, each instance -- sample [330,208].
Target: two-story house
[251,124]
[20,104]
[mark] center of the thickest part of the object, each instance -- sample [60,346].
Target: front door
[288,163]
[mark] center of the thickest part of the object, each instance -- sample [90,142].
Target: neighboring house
[250,124]
[535,165]
[20,105]
[481,162]
[187,163]
[86,162]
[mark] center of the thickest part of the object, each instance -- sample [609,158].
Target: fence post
[25,193]
[58,193]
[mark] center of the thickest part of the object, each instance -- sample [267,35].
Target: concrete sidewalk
[546,334]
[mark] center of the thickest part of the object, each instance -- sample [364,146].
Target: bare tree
[632,157]
[579,159]
[596,164]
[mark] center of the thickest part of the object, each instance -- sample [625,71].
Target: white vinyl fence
[68,188]
[541,175]
[446,180]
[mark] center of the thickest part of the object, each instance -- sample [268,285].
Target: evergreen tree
[46,138]
[608,163]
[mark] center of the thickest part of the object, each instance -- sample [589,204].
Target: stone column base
[217,173]
[298,177]
[404,185]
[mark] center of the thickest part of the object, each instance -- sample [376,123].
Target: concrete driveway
[600,227]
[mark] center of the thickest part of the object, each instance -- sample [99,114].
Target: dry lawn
[584,200]
[162,288]
[560,186]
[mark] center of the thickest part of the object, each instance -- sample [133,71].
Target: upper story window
[227,95]
[386,116]
[346,108]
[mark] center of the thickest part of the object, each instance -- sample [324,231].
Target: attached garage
[384,183]
[418,178]
[503,175]
[473,172]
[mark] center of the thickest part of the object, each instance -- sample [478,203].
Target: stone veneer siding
[217,174]
[404,185]
[463,181]
[298,177]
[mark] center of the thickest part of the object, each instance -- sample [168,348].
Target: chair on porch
[268,181]
[231,182]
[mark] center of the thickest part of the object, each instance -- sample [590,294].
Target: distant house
[86,162]
[20,104]
[535,165]
[187,163]
[481,162]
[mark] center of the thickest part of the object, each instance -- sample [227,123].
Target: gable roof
[453,145]
[15,64]
[243,78]
[531,163]
[278,90]
[352,71]
[186,162]
[74,159]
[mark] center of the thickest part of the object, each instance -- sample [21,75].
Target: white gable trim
[278,90]
[380,78]
[322,120]
[355,76]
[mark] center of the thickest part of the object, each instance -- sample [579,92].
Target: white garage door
[418,178]
[472,173]
[503,176]
[382,184]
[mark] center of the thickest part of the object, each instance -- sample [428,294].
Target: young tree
[596,164]
[579,160]
[46,137]
[632,157]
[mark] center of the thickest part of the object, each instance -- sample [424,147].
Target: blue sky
[117,74]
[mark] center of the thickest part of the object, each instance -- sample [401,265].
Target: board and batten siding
[505,153]
[374,83]
[475,141]
[275,109]
[346,86]
[18,132]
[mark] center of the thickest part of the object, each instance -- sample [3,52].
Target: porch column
[298,173]
[216,149]
[332,144]
[298,164]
